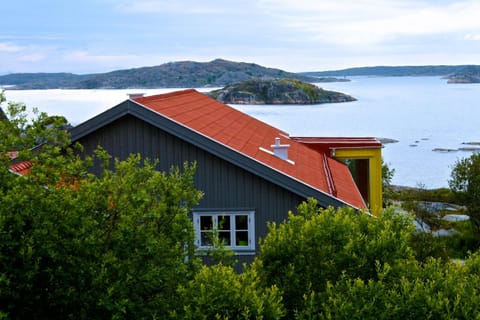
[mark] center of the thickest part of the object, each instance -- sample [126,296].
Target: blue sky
[88,36]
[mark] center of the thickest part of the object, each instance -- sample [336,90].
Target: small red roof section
[21,168]
[17,166]
[325,144]
[254,138]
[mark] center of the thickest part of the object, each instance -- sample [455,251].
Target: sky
[93,36]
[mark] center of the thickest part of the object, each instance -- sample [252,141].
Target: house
[249,171]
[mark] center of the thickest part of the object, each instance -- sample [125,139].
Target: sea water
[422,113]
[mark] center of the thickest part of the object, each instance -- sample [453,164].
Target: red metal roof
[325,144]
[17,166]
[21,168]
[254,138]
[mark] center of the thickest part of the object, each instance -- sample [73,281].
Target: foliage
[219,253]
[218,292]
[320,245]
[425,245]
[387,188]
[465,184]
[345,265]
[73,245]
[433,290]
[309,89]
[464,241]
[422,194]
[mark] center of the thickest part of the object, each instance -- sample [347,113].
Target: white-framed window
[236,229]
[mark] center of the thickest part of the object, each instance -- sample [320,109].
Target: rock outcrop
[468,74]
[277,91]
[464,78]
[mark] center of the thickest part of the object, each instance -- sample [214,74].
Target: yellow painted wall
[374,155]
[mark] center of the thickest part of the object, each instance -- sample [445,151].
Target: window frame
[215,214]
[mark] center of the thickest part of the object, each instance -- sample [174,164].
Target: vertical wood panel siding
[224,184]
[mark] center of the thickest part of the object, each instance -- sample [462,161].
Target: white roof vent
[280,150]
[135,95]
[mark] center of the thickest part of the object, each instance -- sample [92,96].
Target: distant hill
[40,80]
[391,71]
[182,74]
[277,91]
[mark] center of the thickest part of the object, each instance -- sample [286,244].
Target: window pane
[241,222]
[224,223]
[206,238]
[224,236]
[241,238]
[206,223]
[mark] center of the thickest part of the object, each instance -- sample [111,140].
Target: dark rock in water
[469,149]
[386,140]
[277,91]
[444,150]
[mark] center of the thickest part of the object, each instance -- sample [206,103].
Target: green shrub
[218,292]
[433,290]
[318,246]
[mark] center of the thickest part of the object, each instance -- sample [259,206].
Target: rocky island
[277,91]
[467,74]
[464,78]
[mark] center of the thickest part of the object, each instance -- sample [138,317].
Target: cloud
[32,57]
[85,56]
[472,37]
[168,6]
[366,23]
[6,47]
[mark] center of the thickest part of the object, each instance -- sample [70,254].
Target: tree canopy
[465,183]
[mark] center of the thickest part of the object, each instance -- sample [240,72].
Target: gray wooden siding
[225,185]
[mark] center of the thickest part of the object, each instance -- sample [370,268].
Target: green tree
[77,246]
[218,292]
[465,184]
[432,290]
[342,264]
[321,245]
[387,176]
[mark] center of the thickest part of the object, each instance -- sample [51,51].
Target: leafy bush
[218,292]
[434,290]
[73,245]
[321,245]
[110,247]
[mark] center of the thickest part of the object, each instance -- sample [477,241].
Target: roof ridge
[167,94]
